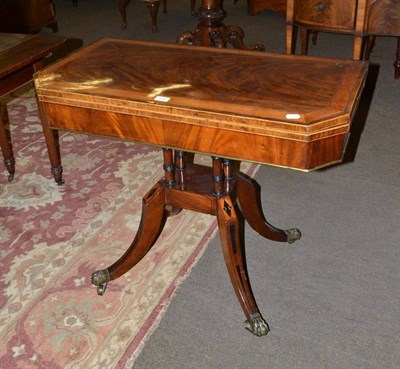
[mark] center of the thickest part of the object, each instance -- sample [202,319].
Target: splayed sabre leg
[217,190]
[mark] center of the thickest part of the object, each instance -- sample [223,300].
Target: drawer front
[384,17]
[328,14]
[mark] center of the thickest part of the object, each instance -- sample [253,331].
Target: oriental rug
[53,237]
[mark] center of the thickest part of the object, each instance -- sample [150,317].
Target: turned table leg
[249,196]
[122,4]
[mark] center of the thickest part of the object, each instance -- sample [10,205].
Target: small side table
[20,57]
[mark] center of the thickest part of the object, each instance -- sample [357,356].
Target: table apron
[239,145]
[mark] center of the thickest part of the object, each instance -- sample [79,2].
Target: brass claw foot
[100,279]
[258,326]
[293,234]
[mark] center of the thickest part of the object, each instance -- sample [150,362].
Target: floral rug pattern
[53,237]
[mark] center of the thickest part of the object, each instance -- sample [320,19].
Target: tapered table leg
[220,191]
[192,7]
[53,147]
[153,6]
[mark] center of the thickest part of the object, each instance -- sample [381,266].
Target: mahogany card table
[20,56]
[284,110]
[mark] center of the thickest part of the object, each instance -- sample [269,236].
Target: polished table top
[275,109]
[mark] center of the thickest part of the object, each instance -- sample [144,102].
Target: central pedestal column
[212,32]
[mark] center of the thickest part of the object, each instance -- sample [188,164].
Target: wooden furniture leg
[164,4]
[304,37]
[153,6]
[249,196]
[358,49]
[397,61]
[5,140]
[369,46]
[193,7]
[188,186]
[231,234]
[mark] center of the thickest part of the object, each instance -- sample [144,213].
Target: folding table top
[289,97]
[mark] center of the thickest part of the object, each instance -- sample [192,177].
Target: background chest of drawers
[365,19]
[26,16]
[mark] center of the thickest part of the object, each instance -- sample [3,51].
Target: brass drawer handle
[320,6]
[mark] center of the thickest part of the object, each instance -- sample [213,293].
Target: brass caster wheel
[101,289]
